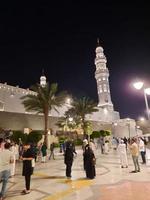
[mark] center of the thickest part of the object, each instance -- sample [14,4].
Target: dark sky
[62,38]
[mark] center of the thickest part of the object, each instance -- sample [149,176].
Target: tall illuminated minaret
[43,79]
[102,78]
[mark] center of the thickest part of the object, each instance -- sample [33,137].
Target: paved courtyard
[112,182]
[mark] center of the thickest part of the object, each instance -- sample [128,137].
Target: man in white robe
[123,154]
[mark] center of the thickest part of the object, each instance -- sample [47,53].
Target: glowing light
[138,85]
[68,100]
[147,91]
[70,119]
[105,110]
[142,119]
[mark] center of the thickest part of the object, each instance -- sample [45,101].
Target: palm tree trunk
[45,127]
[83,127]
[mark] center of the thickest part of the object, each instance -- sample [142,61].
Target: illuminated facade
[10,96]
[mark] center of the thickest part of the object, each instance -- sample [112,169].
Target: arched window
[100,89]
[105,87]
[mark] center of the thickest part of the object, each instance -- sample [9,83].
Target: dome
[99,49]
[43,78]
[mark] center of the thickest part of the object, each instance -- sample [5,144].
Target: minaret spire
[43,79]
[43,72]
[98,44]
[102,78]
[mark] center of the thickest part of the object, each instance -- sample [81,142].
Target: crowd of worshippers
[11,152]
[29,154]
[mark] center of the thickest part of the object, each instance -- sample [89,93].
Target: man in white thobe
[123,154]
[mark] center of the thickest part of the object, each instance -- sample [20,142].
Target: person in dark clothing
[35,150]
[101,141]
[27,171]
[44,152]
[68,157]
[52,146]
[89,162]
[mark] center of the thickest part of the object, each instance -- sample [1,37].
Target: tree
[43,101]
[88,129]
[80,108]
[95,134]
[101,133]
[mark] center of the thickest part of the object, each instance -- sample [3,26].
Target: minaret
[102,78]
[43,79]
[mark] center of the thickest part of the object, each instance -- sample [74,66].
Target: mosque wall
[19,121]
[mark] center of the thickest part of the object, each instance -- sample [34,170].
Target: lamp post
[139,85]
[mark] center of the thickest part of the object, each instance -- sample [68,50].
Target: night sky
[62,39]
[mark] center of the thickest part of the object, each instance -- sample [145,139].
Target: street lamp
[142,119]
[139,85]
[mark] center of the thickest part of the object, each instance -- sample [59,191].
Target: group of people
[7,159]
[27,153]
[10,152]
[89,159]
[136,146]
[40,151]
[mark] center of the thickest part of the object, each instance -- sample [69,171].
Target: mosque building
[12,108]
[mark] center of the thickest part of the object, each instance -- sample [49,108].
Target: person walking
[39,155]
[89,161]
[102,144]
[142,150]
[44,152]
[123,154]
[135,153]
[52,146]
[68,157]
[106,146]
[27,170]
[6,158]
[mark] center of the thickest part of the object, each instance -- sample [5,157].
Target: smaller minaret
[43,79]
[102,78]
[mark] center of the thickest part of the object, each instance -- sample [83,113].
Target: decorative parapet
[15,90]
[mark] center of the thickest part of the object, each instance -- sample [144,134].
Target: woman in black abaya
[89,162]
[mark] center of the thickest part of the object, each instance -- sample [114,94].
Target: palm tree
[43,101]
[80,108]
[65,124]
